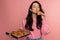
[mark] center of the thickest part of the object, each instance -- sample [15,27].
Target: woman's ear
[30,9]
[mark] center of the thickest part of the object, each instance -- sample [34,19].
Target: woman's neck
[34,16]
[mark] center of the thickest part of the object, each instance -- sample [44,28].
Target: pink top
[36,33]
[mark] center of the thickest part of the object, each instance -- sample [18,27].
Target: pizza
[20,33]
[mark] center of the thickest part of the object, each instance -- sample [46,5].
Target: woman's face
[35,7]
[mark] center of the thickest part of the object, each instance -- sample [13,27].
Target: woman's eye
[34,7]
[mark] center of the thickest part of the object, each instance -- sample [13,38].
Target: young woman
[35,22]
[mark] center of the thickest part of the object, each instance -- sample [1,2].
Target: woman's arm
[43,15]
[45,27]
[23,24]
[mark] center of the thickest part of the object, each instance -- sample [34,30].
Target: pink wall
[13,11]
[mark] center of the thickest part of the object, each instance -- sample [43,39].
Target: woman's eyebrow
[34,5]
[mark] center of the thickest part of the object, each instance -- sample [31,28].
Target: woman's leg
[33,39]
[28,38]
[39,39]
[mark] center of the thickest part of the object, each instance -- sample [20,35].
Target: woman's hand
[43,15]
[40,13]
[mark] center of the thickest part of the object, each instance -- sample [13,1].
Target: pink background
[12,12]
